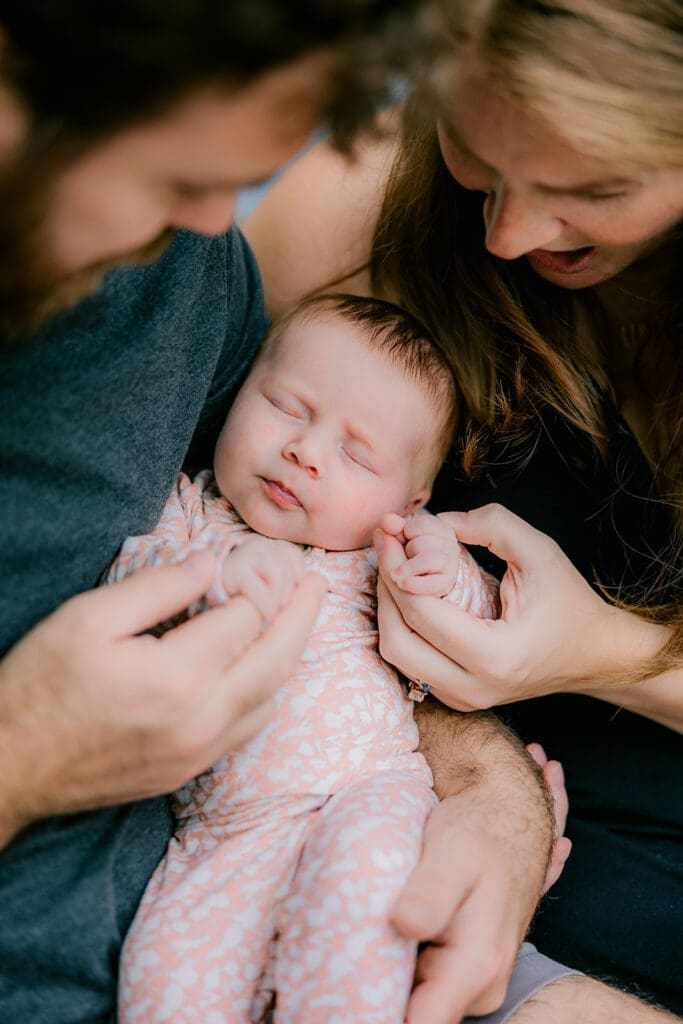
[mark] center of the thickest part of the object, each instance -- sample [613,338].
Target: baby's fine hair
[401,338]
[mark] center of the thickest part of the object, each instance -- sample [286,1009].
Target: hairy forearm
[491,789]
[580,1000]
[477,751]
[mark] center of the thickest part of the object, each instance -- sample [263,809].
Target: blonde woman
[529,215]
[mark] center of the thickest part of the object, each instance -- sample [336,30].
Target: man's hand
[93,713]
[484,866]
[266,571]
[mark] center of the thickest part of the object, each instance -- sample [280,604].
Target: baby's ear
[416,502]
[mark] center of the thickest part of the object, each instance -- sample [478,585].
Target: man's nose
[516,226]
[209,215]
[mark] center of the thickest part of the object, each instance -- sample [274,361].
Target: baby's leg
[339,960]
[201,937]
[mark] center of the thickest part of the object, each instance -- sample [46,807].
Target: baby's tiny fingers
[431,585]
[423,543]
[423,524]
[262,591]
[426,562]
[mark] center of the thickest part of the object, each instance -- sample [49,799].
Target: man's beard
[33,291]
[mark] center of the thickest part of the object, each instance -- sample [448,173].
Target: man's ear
[416,502]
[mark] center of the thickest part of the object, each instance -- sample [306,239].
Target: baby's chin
[263,522]
[281,526]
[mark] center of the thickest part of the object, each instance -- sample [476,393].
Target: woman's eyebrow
[456,138]
[581,188]
[586,187]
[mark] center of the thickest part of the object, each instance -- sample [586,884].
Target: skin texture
[119,202]
[323,198]
[571,1000]
[314,455]
[541,194]
[94,714]
[181,172]
[478,668]
[91,712]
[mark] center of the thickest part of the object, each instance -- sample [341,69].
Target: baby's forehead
[416,364]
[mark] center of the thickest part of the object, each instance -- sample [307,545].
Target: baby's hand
[265,571]
[432,550]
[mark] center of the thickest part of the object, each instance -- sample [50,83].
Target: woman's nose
[515,226]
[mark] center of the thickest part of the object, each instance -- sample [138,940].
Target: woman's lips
[570,261]
[280,494]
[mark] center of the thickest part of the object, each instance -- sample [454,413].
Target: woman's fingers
[496,528]
[468,641]
[430,639]
[423,524]
[418,659]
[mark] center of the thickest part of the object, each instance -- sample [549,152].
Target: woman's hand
[554,632]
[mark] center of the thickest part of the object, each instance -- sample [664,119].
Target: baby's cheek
[357,516]
[352,506]
[264,434]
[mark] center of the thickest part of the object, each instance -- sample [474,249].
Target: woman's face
[577,219]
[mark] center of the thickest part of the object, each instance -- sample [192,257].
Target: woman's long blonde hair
[609,73]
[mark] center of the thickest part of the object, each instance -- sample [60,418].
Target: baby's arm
[265,571]
[438,565]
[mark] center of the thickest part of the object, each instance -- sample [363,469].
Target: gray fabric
[98,412]
[532,972]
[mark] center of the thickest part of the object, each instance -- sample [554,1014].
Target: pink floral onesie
[290,853]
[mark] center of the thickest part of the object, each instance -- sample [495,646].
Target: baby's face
[324,438]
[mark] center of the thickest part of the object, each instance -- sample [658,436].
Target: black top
[618,908]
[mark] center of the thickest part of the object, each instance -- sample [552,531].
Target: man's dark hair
[86,68]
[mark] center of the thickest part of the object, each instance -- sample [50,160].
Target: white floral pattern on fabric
[290,852]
